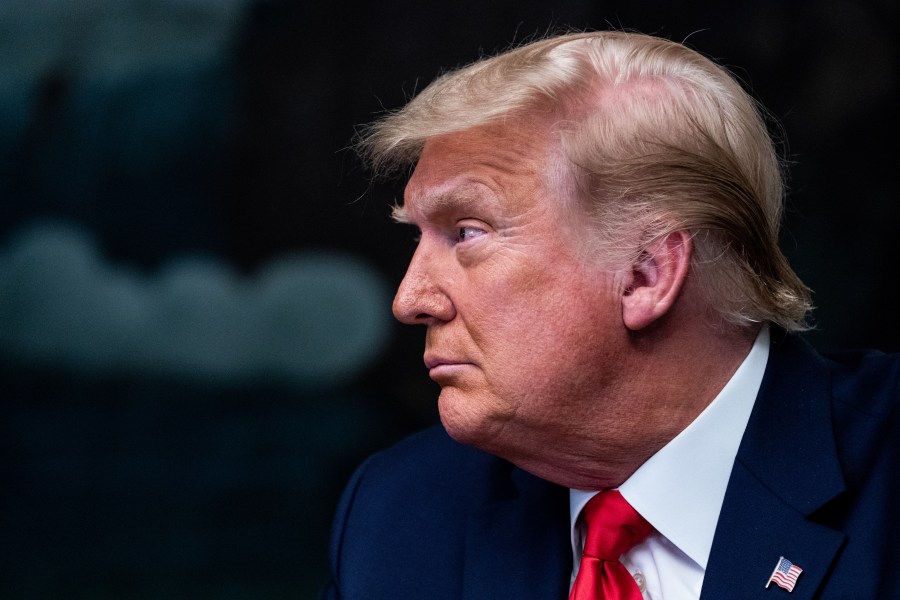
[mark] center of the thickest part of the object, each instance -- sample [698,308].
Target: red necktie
[613,528]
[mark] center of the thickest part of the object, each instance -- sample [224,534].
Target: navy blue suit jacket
[816,480]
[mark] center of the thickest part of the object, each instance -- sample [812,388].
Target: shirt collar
[680,489]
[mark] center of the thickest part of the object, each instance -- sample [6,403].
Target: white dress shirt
[680,489]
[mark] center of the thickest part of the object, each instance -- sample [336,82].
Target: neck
[673,377]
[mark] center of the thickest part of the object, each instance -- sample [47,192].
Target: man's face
[522,330]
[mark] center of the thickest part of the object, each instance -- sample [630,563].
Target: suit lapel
[755,529]
[519,547]
[786,469]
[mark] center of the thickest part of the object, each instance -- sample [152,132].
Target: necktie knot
[613,526]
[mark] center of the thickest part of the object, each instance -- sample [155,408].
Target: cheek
[522,303]
[564,331]
[550,329]
[507,316]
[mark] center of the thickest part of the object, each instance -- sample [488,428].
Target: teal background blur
[196,345]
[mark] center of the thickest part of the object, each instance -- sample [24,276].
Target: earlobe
[656,279]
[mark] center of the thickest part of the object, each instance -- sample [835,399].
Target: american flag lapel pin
[785,574]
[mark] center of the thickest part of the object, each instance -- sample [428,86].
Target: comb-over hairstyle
[656,137]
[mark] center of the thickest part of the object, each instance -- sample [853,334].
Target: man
[606,310]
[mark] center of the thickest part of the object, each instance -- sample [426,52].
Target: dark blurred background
[196,346]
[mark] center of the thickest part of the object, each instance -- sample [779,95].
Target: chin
[466,421]
[461,430]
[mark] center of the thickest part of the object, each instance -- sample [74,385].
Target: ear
[656,279]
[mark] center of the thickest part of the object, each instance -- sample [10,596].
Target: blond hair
[658,137]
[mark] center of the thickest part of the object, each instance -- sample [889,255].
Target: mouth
[440,369]
[433,361]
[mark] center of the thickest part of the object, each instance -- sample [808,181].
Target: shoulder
[861,389]
[818,462]
[425,467]
[429,444]
[862,381]
[865,405]
[416,494]
[867,381]
[427,478]
[425,517]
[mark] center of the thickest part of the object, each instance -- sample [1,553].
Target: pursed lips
[439,367]
[436,361]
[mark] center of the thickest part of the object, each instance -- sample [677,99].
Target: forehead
[496,164]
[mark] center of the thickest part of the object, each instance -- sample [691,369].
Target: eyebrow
[458,198]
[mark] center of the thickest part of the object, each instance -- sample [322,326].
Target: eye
[464,234]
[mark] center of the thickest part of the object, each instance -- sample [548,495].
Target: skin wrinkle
[622,207]
[613,96]
[503,262]
[539,330]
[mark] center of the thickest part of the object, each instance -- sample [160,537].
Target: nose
[420,300]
